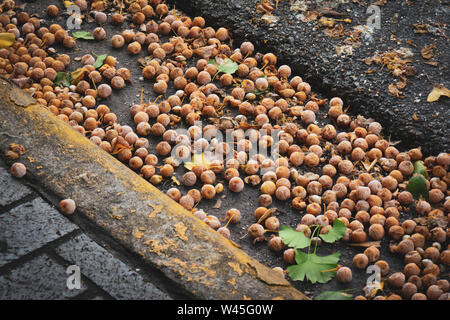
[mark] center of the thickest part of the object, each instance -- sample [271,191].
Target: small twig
[372,164]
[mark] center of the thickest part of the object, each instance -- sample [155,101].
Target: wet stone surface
[11,189]
[39,279]
[29,227]
[111,274]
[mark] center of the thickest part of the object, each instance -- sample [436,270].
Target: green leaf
[100,60]
[62,79]
[313,268]
[418,187]
[257,92]
[420,169]
[336,233]
[227,66]
[294,238]
[334,295]
[83,35]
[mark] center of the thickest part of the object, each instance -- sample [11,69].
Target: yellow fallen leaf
[437,92]
[6,40]
[400,85]
[78,75]
[378,286]
[394,90]
[428,51]
[327,22]
[371,289]
[198,160]
[68,3]
[175,180]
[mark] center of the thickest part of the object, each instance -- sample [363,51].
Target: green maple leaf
[336,233]
[86,35]
[417,185]
[334,295]
[294,238]
[313,267]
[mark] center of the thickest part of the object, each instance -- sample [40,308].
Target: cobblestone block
[11,190]
[38,279]
[30,226]
[109,273]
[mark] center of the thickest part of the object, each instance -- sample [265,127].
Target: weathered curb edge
[131,210]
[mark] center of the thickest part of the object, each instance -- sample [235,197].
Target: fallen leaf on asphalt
[86,35]
[421,28]
[100,60]
[264,7]
[78,75]
[366,244]
[266,214]
[437,92]
[313,267]
[68,3]
[198,160]
[368,61]
[380,3]
[18,148]
[218,204]
[336,233]
[269,18]
[62,79]
[394,90]
[298,6]
[327,22]
[400,85]
[431,63]
[428,52]
[334,295]
[6,40]
[310,16]
[372,288]
[417,187]
[175,180]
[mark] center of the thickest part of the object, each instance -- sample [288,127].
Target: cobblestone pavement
[38,244]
